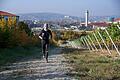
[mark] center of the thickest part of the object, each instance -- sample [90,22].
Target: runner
[45,35]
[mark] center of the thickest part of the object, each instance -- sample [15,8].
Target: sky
[69,7]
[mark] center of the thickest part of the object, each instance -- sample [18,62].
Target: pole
[118,26]
[92,43]
[89,43]
[86,43]
[112,42]
[98,42]
[104,42]
[73,44]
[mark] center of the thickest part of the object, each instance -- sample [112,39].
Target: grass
[10,55]
[93,66]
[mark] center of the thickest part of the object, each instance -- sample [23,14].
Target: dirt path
[38,69]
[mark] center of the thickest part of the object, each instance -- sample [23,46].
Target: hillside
[59,17]
[44,16]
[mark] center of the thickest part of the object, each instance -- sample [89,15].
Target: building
[8,19]
[96,25]
[99,25]
[117,20]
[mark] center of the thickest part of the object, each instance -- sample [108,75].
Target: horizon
[72,8]
[65,14]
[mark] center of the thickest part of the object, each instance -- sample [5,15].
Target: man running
[45,35]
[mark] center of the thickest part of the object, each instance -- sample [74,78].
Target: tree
[24,26]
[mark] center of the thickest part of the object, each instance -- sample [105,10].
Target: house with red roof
[117,20]
[8,19]
[97,25]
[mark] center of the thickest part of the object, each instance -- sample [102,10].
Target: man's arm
[40,35]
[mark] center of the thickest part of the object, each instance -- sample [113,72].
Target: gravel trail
[36,68]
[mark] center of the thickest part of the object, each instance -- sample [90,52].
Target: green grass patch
[9,55]
[93,66]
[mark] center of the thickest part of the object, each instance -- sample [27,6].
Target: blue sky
[70,7]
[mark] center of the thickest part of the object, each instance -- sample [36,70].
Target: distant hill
[57,17]
[44,16]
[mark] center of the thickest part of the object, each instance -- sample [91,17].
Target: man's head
[45,27]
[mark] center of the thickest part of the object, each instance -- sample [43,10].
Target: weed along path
[35,68]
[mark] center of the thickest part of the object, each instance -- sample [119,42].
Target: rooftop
[100,24]
[2,13]
[117,19]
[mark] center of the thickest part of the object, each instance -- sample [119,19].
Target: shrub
[17,36]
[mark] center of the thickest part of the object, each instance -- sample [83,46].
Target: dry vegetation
[92,65]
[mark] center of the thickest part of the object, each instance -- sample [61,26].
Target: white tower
[86,18]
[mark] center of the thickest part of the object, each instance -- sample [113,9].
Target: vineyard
[95,55]
[107,39]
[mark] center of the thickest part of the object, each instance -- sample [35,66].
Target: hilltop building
[8,19]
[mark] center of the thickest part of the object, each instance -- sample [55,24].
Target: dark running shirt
[45,34]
